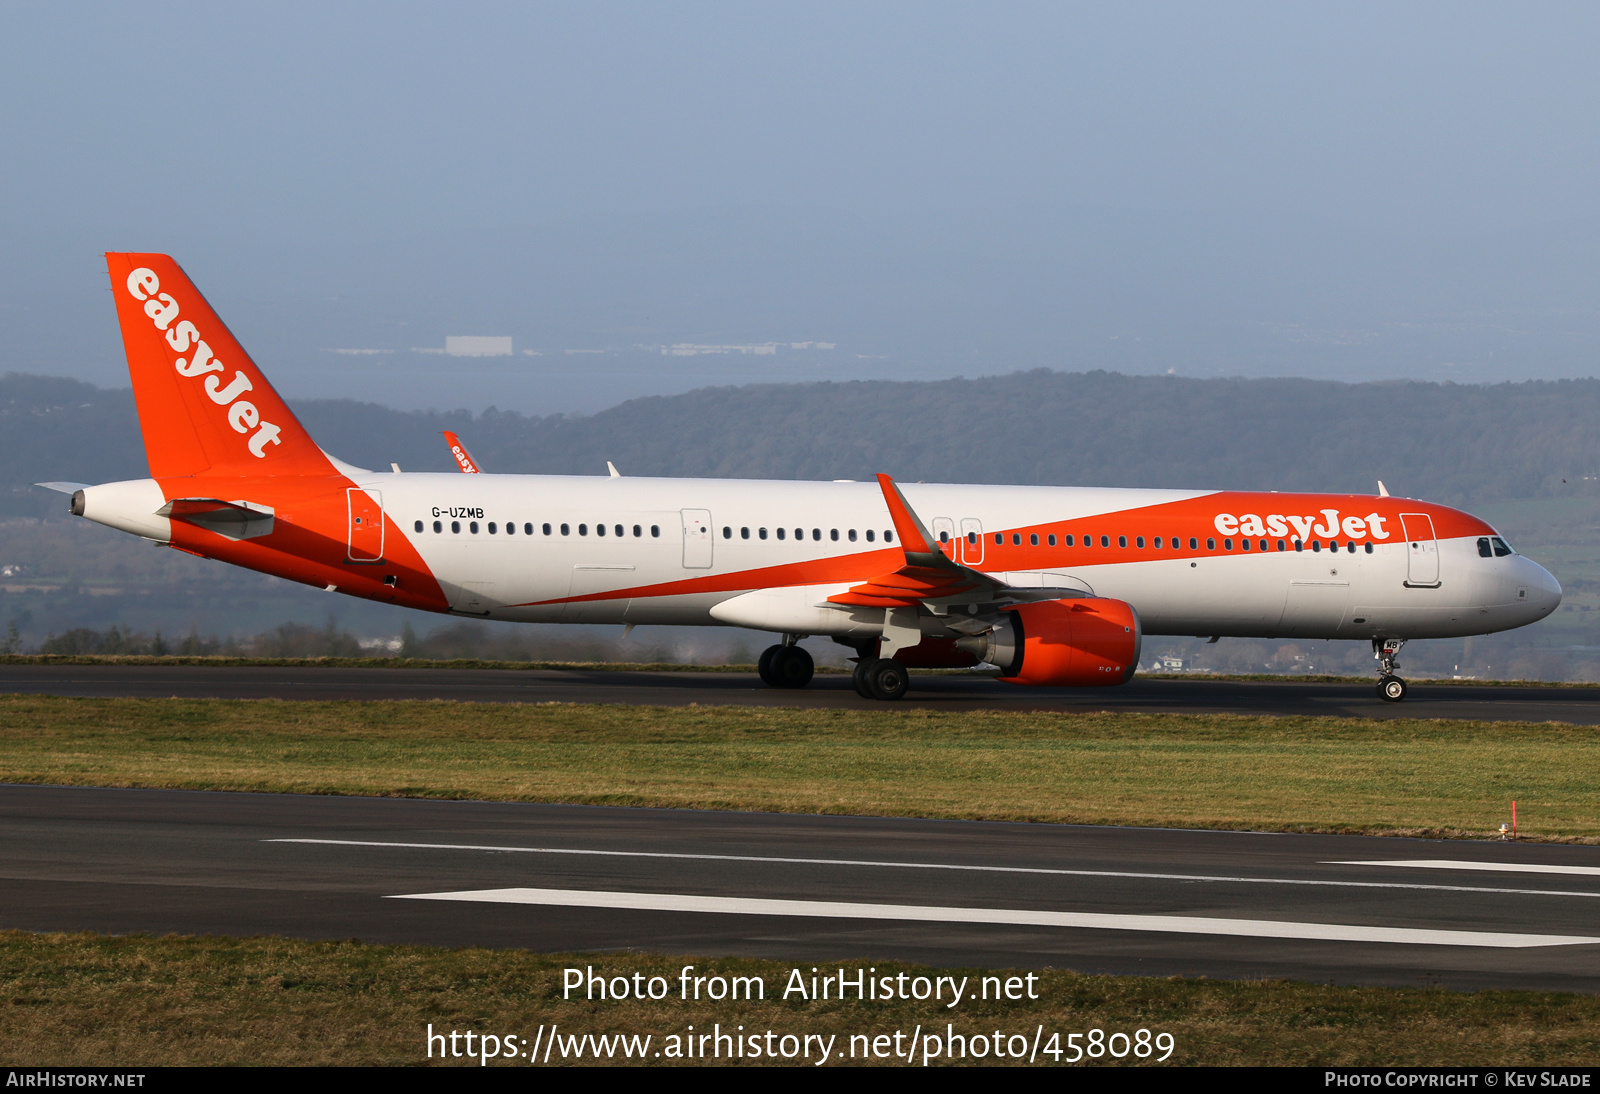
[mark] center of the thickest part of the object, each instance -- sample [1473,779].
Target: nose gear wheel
[1391,689]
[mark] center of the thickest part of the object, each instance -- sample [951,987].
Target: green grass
[1416,777]
[139,1002]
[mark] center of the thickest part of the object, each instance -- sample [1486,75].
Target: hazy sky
[236,139]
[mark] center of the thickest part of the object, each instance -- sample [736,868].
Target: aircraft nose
[1544,591]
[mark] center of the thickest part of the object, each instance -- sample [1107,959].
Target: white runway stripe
[941,866]
[1469,864]
[827,909]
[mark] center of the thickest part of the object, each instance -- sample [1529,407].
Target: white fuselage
[671,571]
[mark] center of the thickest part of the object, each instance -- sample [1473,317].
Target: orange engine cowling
[1092,642]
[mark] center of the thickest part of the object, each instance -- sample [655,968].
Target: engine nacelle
[1092,642]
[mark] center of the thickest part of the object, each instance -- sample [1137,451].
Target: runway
[940,692]
[1350,910]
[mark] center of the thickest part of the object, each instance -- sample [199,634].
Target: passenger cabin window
[781,532]
[1157,543]
[473,525]
[527,529]
[655,531]
[944,537]
[1280,545]
[491,527]
[583,529]
[999,538]
[1068,541]
[1139,542]
[888,537]
[1369,548]
[637,532]
[1244,544]
[1316,545]
[599,529]
[438,527]
[816,534]
[1016,539]
[1105,541]
[833,534]
[419,526]
[1122,541]
[1194,544]
[1052,539]
[871,535]
[455,527]
[761,533]
[1033,539]
[727,533]
[1211,544]
[1227,545]
[511,529]
[853,535]
[566,529]
[744,533]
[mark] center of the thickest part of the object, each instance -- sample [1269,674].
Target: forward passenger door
[1422,551]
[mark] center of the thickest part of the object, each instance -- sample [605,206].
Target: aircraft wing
[932,579]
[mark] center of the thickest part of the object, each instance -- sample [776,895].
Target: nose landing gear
[1391,688]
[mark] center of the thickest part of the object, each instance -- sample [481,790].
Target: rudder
[203,403]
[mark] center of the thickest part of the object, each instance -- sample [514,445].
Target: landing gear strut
[1391,688]
[786,665]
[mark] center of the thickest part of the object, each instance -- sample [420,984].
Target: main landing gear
[786,665]
[880,678]
[1391,688]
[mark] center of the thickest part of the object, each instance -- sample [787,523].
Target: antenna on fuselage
[611,467]
[1383,491]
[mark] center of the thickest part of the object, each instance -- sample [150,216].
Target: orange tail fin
[203,404]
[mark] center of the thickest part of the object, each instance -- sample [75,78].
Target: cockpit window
[1501,548]
[1484,550]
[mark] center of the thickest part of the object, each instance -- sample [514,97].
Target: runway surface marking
[1469,864]
[947,866]
[1165,924]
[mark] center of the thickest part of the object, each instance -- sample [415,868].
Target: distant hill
[1458,444]
[1502,451]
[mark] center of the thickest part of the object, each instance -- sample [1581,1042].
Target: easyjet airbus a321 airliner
[1053,586]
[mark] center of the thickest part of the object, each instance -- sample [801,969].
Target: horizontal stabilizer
[64,487]
[230,519]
